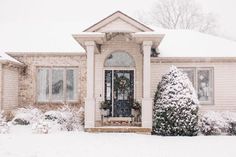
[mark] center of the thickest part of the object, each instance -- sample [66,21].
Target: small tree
[175,106]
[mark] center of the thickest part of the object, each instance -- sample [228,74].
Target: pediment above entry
[117,23]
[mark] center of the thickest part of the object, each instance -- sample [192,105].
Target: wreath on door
[122,83]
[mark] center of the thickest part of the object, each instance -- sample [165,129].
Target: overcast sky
[79,14]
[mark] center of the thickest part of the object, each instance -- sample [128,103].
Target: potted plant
[105,108]
[136,110]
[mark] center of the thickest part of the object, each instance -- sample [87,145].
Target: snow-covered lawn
[22,143]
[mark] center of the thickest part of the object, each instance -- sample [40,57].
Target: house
[123,62]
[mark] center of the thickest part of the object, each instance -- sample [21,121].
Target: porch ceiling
[100,38]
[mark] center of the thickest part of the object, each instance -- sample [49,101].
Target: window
[204,89]
[119,59]
[43,84]
[70,84]
[190,72]
[56,84]
[202,80]
[108,85]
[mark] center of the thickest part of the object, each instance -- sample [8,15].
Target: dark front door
[119,89]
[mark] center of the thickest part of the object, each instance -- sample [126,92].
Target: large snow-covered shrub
[26,116]
[217,123]
[175,106]
[4,127]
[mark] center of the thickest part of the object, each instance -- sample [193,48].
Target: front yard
[20,142]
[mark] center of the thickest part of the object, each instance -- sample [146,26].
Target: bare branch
[180,14]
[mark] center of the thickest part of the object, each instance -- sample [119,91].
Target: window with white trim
[56,84]
[202,80]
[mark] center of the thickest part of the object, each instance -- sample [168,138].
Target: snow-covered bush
[67,118]
[4,127]
[175,106]
[230,118]
[216,123]
[8,115]
[81,116]
[72,118]
[53,115]
[40,127]
[26,116]
[212,123]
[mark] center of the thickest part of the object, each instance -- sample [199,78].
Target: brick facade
[27,77]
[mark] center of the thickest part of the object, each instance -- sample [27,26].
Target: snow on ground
[22,143]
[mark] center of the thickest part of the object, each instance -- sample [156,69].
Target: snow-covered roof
[188,43]
[58,38]
[6,58]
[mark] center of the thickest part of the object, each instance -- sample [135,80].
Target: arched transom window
[119,59]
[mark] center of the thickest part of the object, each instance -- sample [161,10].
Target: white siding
[10,88]
[224,82]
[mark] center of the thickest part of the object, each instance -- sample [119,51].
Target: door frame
[103,82]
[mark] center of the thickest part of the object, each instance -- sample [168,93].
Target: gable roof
[121,16]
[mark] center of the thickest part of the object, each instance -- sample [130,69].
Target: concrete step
[120,129]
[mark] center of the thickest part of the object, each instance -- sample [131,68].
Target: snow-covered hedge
[64,119]
[175,106]
[217,123]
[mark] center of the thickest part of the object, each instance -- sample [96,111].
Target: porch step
[119,119]
[120,129]
[116,121]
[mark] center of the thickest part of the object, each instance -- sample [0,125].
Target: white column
[147,101]
[90,99]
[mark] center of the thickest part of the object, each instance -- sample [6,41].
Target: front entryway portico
[118,69]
